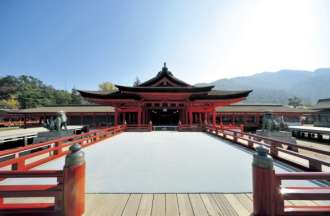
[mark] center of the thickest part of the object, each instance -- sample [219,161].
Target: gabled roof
[219,94]
[322,104]
[164,89]
[67,109]
[108,95]
[261,108]
[168,80]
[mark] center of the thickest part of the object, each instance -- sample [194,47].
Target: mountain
[277,87]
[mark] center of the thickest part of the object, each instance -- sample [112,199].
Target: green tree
[10,103]
[27,92]
[107,86]
[294,101]
[8,86]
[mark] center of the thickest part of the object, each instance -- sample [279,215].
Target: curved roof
[219,94]
[322,104]
[164,89]
[108,95]
[164,73]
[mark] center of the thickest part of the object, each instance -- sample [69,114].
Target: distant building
[322,114]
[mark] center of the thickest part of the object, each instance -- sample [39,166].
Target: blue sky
[83,43]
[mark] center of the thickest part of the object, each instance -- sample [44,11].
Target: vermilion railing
[269,194]
[25,158]
[18,123]
[147,127]
[278,149]
[68,193]
[301,193]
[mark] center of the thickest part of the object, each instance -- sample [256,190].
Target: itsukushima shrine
[165,100]
[164,172]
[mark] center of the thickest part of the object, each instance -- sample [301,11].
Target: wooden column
[116,117]
[74,182]
[190,117]
[214,118]
[263,178]
[139,117]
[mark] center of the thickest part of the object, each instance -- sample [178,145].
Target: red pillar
[263,178]
[116,117]
[124,117]
[139,118]
[190,117]
[74,182]
[214,118]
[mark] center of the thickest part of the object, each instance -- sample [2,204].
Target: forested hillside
[27,91]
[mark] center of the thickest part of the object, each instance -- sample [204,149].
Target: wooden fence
[68,193]
[27,157]
[280,150]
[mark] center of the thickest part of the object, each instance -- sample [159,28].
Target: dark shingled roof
[164,73]
[219,94]
[261,108]
[322,104]
[108,95]
[164,89]
[67,109]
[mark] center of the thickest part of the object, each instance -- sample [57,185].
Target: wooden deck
[173,204]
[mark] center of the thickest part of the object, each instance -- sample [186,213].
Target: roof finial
[164,67]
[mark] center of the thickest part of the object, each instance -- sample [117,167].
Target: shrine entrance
[168,117]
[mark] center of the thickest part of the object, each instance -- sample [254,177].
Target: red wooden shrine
[165,100]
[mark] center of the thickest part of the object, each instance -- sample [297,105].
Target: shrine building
[164,100]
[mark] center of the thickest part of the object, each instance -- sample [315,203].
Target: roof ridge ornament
[164,69]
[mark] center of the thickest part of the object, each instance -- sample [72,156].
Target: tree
[295,102]
[75,97]
[28,92]
[10,103]
[107,86]
[8,86]
[137,82]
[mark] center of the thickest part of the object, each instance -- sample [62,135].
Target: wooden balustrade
[269,194]
[139,127]
[68,193]
[276,148]
[27,157]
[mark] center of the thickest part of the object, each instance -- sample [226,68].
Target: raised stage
[166,162]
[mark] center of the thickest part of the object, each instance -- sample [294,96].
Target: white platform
[20,133]
[158,162]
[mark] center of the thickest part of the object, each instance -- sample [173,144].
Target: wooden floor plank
[132,205]
[239,208]
[158,205]
[209,205]
[245,201]
[106,204]
[197,205]
[171,203]
[185,207]
[175,204]
[215,205]
[224,205]
[145,207]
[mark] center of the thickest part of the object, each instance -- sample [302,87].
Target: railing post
[150,125]
[273,149]
[263,178]
[74,182]
[19,165]
[58,145]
